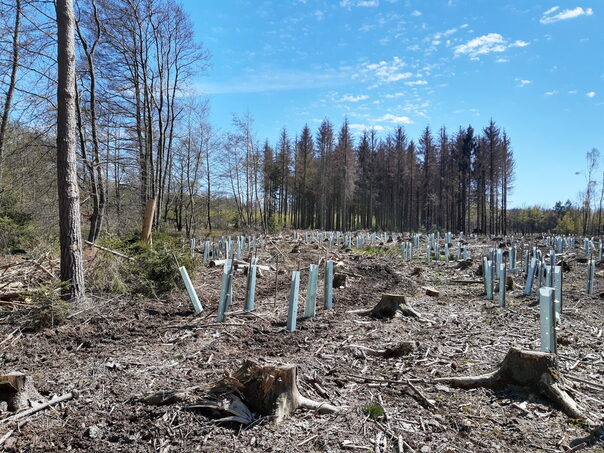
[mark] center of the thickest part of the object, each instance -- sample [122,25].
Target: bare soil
[116,350]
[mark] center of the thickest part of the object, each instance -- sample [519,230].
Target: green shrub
[153,269]
[274,225]
[374,410]
[16,229]
[49,310]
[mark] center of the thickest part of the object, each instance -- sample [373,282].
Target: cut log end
[432,292]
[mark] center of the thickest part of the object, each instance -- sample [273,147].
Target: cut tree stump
[417,271]
[268,390]
[388,307]
[339,280]
[531,369]
[465,264]
[509,283]
[18,391]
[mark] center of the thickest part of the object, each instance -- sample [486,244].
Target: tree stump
[269,390]
[339,280]
[465,264]
[18,391]
[531,369]
[509,283]
[388,307]
[417,271]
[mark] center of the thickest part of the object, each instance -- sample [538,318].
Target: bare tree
[95,168]
[72,267]
[8,99]
[592,159]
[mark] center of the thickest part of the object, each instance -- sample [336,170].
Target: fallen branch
[422,398]
[113,252]
[400,349]
[46,405]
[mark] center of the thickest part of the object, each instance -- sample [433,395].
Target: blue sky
[535,67]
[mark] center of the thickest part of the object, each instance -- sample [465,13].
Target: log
[432,292]
[269,390]
[536,371]
[388,307]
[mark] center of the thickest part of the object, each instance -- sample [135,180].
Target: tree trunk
[12,83]
[72,267]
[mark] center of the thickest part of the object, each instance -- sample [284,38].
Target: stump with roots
[388,307]
[17,391]
[268,390]
[534,370]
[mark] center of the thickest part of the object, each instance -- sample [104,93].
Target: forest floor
[118,349]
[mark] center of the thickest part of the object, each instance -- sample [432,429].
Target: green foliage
[49,310]
[374,410]
[569,223]
[16,229]
[378,251]
[153,270]
[274,225]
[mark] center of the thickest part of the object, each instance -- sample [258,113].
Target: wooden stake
[148,221]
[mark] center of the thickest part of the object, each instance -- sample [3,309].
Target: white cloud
[573,92]
[551,93]
[320,15]
[523,82]
[416,13]
[591,94]
[486,44]
[360,3]
[416,83]
[549,17]
[393,95]
[350,98]
[551,10]
[388,71]
[364,127]
[389,117]
[502,60]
